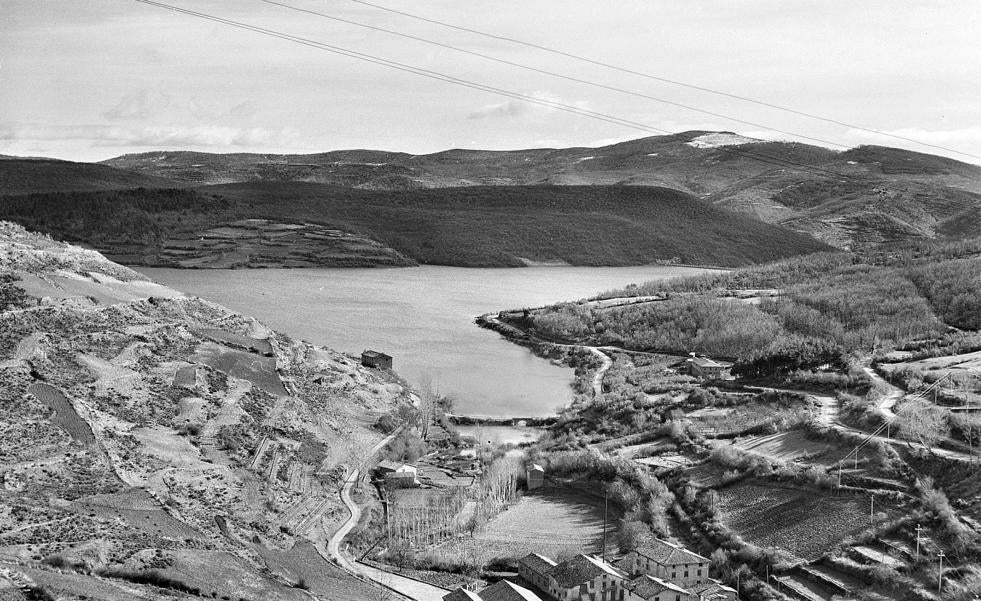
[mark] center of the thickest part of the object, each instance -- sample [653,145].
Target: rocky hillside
[864,196]
[158,446]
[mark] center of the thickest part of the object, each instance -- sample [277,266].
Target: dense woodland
[474,226]
[813,310]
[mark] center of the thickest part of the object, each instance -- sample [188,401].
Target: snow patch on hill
[721,139]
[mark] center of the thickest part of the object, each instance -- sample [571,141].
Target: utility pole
[839,474]
[872,510]
[940,580]
[918,528]
[606,508]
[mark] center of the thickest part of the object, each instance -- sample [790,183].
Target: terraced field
[804,522]
[785,446]
[65,416]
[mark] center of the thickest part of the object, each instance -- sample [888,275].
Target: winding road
[406,587]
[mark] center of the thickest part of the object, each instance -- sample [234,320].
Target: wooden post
[940,579]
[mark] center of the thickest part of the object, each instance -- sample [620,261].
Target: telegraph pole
[606,509]
[872,510]
[940,580]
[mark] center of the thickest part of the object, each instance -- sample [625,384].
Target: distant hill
[308,224]
[29,175]
[861,197]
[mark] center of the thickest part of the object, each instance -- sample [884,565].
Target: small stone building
[534,569]
[651,588]
[502,590]
[668,561]
[404,476]
[535,476]
[585,578]
[703,367]
[376,359]
[713,590]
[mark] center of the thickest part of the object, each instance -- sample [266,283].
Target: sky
[91,79]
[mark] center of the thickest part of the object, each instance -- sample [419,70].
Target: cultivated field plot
[552,523]
[324,579]
[805,522]
[259,370]
[65,416]
[790,446]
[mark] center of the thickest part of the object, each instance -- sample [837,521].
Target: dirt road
[406,587]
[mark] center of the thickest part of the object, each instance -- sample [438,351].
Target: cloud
[140,105]
[202,136]
[514,107]
[968,135]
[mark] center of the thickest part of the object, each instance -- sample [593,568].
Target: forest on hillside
[821,306]
[472,227]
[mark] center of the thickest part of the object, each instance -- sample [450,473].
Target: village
[778,476]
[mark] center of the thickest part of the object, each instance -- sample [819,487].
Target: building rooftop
[536,468]
[537,563]
[370,353]
[507,591]
[647,587]
[581,569]
[461,595]
[705,362]
[669,554]
[713,589]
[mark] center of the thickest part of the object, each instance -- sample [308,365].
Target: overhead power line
[553,73]
[662,79]
[768,159]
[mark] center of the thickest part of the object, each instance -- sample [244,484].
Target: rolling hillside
[304,224]
[864,196]
[25,176]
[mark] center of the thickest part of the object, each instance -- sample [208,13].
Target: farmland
[152,442]
[807,523]
[65,415]
[791,445]
[551,522]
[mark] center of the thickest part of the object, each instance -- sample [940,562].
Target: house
[504,590]
[651,588]
[585,578]
[534,569]
[461,594]
[375,359]
[713,590]
[667,561]
[703,367]
[404,476]
[386,466]
[535,476]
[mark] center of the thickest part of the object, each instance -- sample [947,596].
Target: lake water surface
[423,317]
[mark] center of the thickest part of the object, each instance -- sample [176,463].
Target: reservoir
[424,318]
